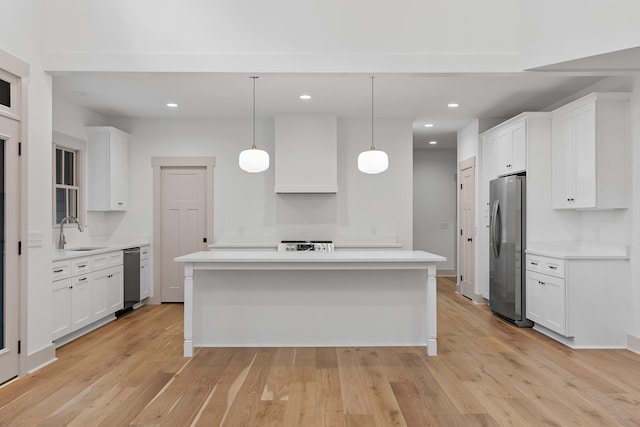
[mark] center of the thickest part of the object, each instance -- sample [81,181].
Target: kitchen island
[303,299]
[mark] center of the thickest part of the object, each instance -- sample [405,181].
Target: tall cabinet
[506,151]
[107,168]
[590,153]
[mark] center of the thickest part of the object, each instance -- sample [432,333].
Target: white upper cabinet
[512,148]
[306,153]
[107,169]
[590,153]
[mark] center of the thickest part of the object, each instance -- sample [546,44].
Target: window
[66,184]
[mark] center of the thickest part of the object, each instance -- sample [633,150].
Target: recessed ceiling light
[453,105]
[172,105]
[428,125]
[305,96]
[433,142]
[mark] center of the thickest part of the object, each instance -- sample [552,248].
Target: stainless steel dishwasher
[131,279]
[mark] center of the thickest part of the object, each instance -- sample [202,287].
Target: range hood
[306,153]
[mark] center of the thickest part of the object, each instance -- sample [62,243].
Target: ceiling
[420,98]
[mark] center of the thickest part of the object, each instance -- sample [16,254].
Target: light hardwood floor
[487,373]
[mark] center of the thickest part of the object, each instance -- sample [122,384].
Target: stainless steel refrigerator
[507,244]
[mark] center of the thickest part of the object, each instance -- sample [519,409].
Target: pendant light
[373,161]
[253,159]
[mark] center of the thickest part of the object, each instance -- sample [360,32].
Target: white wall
[282,35]
[554,31]
[22,35]
[434,203]
[367,209]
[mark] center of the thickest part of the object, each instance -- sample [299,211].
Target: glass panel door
[10,225]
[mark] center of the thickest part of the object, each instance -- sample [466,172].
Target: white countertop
[273,257]
[579,250]
[100,248]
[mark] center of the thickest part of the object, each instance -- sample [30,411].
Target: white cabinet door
[99,307]
[546,301]
[115,290]
[61,298]
[512,149]
[118,172]
[80,302]
[563,161]
[584,135]
[107,169]
[144,279]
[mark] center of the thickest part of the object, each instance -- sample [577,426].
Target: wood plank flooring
[487,373]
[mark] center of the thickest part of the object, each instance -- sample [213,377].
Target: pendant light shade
[373,161]
[254,159]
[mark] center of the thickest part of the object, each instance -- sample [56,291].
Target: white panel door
[184,224]
[467,231]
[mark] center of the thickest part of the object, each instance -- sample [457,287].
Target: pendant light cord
[372,146]
[254,112]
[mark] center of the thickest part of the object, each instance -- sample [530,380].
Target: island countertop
[288,260]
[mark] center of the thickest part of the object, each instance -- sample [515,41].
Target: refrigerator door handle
[494,230]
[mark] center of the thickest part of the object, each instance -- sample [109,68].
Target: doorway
[183,219]
[466,209]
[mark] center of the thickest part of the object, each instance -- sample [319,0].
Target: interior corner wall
[434,203]
[554,31]
[634,291]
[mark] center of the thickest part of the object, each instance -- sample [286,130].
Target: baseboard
[633,343]
[38,359]
[446,273]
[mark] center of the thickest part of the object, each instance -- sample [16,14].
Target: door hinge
[461,186]
[461,277]
[461,231]
[19,148]
[20,247]
[19,346]
[204,240]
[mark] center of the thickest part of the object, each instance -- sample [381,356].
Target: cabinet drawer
[546,265]
[108,259]
[61,270]
[80,266]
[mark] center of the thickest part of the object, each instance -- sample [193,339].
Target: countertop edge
[109,247]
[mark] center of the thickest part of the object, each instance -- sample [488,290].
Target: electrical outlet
[35,239]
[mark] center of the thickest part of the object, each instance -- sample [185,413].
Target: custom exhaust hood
[306,153]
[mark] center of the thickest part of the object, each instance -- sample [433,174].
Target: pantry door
[185,222]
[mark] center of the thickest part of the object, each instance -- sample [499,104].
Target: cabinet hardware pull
[70,287]
[534,263]
[58,271]
[82,280]
[553,267]
[82,266]
[120,203]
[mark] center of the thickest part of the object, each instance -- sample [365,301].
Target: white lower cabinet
[546,301]
[145,284]
[85,290]
[581,302]
[115,289]
[61,296]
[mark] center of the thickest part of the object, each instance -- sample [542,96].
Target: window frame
[78,181]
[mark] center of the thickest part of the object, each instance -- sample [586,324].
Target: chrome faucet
[70,219]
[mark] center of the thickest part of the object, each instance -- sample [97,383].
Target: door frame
[21,70]
[158,163]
